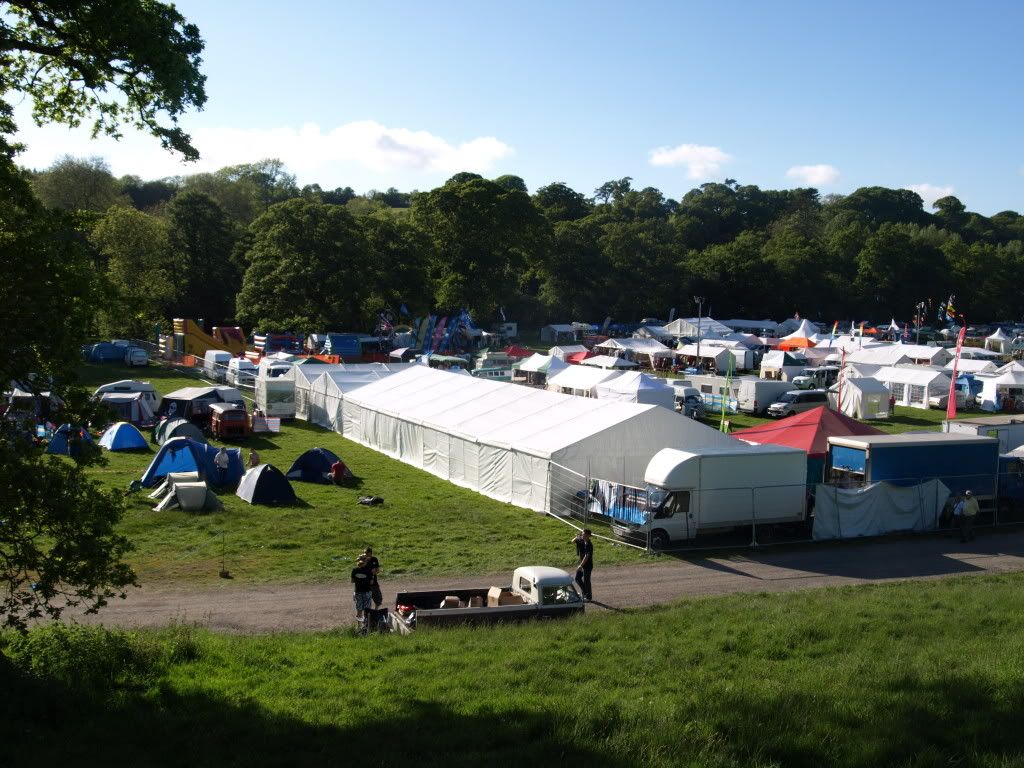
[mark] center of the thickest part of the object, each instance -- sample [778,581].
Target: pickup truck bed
[480,605]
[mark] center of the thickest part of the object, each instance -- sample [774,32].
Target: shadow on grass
[50,723]
[955,719]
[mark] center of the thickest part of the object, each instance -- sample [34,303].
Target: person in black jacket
[362,587]
[585,553]
[374,565]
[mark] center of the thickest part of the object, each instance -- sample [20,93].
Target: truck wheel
[659,540]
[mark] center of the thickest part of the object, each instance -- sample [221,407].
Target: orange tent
[797,343]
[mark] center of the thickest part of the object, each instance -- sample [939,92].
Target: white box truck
[215,364]
[752,395]
[719,489]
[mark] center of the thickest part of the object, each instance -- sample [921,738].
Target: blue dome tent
[313,466]
[123,436]
[265,484]
[181,454]
[59,443]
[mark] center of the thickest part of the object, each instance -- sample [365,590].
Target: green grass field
[913,674]
[426,527]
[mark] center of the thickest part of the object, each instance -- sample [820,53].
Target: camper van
[130,386]
[241,371]
[719,489]
[215,364]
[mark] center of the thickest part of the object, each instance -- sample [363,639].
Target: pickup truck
[536,592]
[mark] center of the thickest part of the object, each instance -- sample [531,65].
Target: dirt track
[274,608]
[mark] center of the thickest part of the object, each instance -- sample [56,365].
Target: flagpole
[951,405]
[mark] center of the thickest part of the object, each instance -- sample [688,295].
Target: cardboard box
[494,597]
[451,601]
[476,602]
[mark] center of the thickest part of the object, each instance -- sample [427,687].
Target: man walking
[362,585]
[374,565]
[585,552]
[970,512]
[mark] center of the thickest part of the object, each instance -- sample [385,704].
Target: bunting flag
[951,405]
[851,328]
[835,328]
[842,374]
[906,333]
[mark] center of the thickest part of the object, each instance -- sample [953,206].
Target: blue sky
[781,94]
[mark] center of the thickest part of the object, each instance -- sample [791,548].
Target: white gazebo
[538,367]
[914,385]
[998,342]
[636,387]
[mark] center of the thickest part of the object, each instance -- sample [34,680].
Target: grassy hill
[913,674]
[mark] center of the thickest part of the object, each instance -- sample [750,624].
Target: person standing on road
[967,517]
[362,585]
[585,552]
[374,565]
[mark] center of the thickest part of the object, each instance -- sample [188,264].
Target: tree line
[246,244]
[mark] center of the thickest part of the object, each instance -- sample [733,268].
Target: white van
[136,356]
[798,401]
[215,363]
[126,386]
[241,371]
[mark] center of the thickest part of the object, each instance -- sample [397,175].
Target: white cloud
[814,175]
[701,162]
[929,192]
[364,149]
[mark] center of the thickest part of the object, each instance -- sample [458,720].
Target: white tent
[913,386]
[636,387]
[580,380]
[505,441]
[606,361]
[326,395]
[1013,365]
[548,364]
[891,354]
[862,398]
[559,332]
[129,406]
[717,355]
[304,376]
[564,350]
[997,390]
[753,326]
[977,353]
[972,366]
[638,350]
[998,342]
[779,365]
[693,327]
[806,330]
[848,343]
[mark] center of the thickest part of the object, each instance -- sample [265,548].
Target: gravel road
[230,607]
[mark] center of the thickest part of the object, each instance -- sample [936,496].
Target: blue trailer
[961,462]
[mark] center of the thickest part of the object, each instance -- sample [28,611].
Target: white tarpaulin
[846,513]
[327,391]
[863,398]
[501,439]
[580,380]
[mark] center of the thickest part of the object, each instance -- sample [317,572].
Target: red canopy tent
[796,343]
[516,351]
[809,431]
[578,357]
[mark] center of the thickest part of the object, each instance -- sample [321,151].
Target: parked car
[241,371]
[797,401]
[690,403]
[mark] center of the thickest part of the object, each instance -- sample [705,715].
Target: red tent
[516,351]
[578,357]
[809,431]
